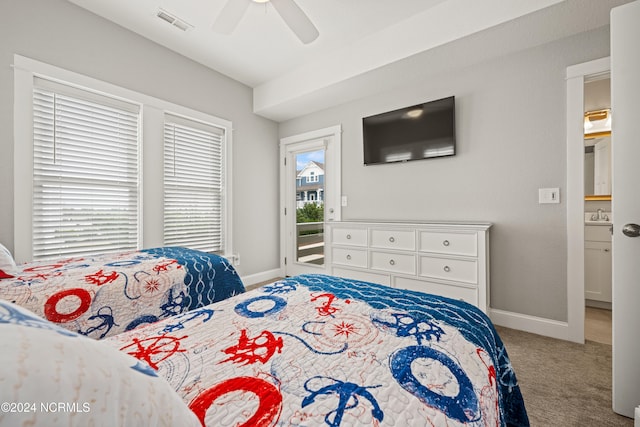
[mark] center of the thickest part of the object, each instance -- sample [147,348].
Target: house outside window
[310,184]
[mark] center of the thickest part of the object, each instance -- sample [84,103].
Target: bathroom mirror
[597,166]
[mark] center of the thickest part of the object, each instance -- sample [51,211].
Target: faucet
[598,216]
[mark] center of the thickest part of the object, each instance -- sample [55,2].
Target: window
[89,168]
[85,172]
[312,177]
[193,184]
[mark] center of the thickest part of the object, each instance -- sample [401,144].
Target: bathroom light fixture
[413,114]
[597,121]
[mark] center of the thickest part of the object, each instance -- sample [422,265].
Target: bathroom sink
[592,218]
[601,222]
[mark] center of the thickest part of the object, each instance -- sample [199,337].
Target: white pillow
[51,376]
[8,266]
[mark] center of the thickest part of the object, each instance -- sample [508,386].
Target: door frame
[577,75]
[332,137]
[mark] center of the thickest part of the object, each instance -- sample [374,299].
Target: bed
[316,350]
[104,295]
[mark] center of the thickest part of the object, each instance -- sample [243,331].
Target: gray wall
[62,34]
[511,141]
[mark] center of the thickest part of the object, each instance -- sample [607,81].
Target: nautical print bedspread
[100,296]
[316,350]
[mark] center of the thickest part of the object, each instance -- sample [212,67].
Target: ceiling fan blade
[230,16]
[296,19]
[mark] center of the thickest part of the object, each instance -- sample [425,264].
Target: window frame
[153,111]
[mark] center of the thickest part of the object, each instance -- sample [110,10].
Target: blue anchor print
[348,398]
[106,315]
[203,312]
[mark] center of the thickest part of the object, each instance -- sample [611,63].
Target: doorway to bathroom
[598,217]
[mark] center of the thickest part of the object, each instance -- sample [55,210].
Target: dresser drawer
[349,256]
[469,295]
[393,262]
[393,239]
[349,236]
[450,269]
[449,243]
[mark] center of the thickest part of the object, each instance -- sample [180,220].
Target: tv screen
[412,133]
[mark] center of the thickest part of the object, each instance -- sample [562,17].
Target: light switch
[343,201]
[549,195]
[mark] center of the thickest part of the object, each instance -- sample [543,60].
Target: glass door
[309,207]
[310,197]
[304,210]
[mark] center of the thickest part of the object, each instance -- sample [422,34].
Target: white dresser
[443,258]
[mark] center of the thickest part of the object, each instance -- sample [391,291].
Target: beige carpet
[563,384]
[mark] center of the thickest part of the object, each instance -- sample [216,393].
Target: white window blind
[85,172]
[193,184]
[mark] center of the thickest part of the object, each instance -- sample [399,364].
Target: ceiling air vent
[174,20]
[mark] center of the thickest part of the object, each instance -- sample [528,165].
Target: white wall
[511,135]
[62,34]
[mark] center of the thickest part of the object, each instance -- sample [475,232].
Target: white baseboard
[252,279]
[533,324]
[598,304]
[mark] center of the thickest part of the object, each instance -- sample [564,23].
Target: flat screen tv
[412,133]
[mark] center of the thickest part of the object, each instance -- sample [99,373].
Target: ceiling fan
[288,10]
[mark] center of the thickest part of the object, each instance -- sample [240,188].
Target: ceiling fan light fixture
[289,11]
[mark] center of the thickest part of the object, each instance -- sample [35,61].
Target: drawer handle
[392,262]
[348,256]
[348,236]
[446,243]
[392,239]
[446,268]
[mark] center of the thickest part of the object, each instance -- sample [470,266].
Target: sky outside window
[303,158]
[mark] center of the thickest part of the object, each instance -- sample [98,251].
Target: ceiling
[358,40]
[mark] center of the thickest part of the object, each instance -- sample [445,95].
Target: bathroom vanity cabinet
[597,259]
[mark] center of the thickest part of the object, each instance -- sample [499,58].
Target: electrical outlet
[548,195]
